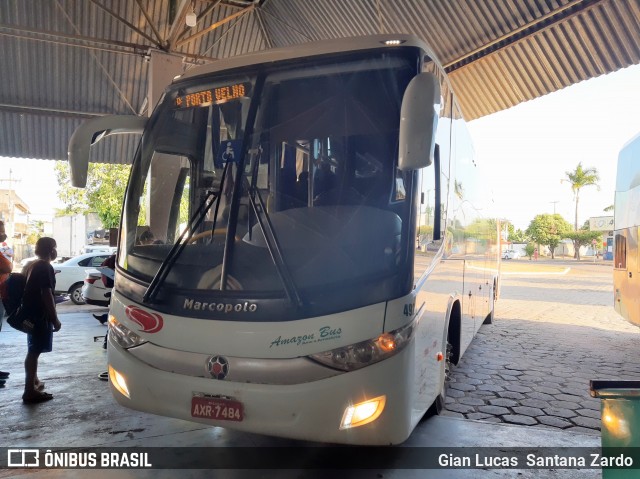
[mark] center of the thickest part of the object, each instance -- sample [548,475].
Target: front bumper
[309,411]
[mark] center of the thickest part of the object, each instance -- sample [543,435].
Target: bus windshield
[277,182]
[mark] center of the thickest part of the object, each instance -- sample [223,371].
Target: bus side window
[620,260]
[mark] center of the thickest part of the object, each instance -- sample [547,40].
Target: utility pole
[554,206]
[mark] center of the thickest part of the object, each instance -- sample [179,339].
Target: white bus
[302,251]
[626,262]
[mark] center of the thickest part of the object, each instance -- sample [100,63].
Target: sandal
[40,387]
[41,397]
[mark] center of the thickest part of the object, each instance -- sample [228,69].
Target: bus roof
[307,50]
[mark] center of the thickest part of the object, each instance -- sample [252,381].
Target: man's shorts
[40,342]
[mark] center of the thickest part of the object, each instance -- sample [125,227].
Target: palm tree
[579,178]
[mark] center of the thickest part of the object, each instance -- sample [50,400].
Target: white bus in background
[626,262]
[314,256]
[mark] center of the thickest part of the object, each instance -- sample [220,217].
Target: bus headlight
[365,353]
[123,335]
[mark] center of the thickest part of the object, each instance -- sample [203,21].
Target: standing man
[41,309]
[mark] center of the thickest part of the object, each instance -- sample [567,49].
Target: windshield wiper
[273,246]
[183,240]
[270,239]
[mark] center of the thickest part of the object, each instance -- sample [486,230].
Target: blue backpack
[12,291]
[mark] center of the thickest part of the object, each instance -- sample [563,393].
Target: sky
[527,149]
[523,151]
[34,182]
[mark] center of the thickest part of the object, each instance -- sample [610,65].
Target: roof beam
[49,111]
[263,29]
[199,18]
[214,26]
[128,24]
[135,48]
[178,22]
[161,41]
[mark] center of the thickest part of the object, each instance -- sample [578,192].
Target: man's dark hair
[45,246]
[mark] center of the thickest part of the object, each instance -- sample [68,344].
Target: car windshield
[293,193]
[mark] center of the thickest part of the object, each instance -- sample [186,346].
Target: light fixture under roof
[191,18]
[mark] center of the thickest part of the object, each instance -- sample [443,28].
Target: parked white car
[31,259]
[94,291]
[70,275]
[511,254]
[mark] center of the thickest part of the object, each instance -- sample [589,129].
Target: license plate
[216,408]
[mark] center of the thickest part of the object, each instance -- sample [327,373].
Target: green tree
[106,185]
[35,230]
[584,237]
[74,199]
[548,230]
[529,250]
[517,235]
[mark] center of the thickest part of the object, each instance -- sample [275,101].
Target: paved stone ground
[552,334]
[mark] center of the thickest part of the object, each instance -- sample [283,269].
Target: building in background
[74,233]
[15,214]
[604,224]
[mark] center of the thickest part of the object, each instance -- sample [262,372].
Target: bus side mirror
[419,122]
[92,131]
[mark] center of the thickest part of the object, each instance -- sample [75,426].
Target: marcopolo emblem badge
[218,367]
[148,322]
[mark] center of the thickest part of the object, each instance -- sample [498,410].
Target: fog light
[363,413]
[119,382]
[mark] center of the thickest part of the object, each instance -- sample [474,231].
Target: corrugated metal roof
[597,37]
[73,59]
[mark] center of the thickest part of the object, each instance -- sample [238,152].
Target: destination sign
[213,96]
